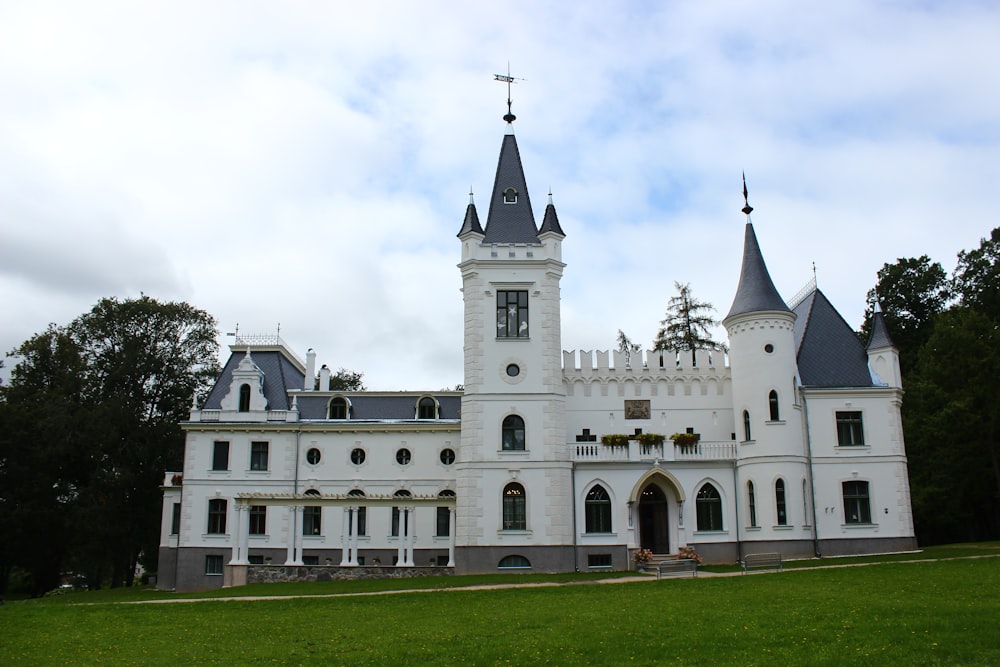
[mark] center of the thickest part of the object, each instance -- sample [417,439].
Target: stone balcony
[583,452]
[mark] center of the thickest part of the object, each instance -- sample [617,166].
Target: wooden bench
[677,566]
[770,561]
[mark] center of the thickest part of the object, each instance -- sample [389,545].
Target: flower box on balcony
[648,439]
[615,440]
[686,440]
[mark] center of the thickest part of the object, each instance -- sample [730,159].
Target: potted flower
[686,441]
[650,439]
[641,557]
[615,440]
[690,553]
[177,480]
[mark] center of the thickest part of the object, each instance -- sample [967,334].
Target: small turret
[883,357]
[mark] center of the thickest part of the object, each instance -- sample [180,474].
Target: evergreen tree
[626,345]
[687,324]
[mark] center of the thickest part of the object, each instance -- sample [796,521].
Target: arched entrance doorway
[654,520]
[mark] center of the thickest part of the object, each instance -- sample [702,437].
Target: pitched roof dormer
[510,219]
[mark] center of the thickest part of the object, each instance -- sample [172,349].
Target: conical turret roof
[756,291]
[880,333]
[471,223]
[510,219]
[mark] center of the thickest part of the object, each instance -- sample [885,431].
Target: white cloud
[308,164]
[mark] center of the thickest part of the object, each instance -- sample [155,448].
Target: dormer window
[244,398]
[338,408]
[427,408]
[510,196]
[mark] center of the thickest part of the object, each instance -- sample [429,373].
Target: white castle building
[547,460]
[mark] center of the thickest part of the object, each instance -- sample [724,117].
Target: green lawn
[895,613]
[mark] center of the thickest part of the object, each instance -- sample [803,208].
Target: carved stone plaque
[636,409]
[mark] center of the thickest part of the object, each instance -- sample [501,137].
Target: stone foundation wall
[267,574]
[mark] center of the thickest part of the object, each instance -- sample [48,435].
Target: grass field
[893,613]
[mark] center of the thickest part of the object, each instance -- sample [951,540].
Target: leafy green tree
[100,401]
[911,292]
[951,419]
[687,324]
[977,276]
[344,380]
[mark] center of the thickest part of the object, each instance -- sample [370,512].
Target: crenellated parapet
[653,372]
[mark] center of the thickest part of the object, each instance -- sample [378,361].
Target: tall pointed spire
[756,291]
[510,219]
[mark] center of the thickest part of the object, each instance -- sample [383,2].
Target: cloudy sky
[308,163]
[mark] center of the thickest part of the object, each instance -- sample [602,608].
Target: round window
[513,370]
[769,348]
[447,456]
[313,456]
[357,456]
[403,456]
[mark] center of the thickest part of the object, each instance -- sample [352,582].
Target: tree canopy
[687,325]
[92,413]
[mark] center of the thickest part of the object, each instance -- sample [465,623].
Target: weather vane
[508,79]
[747,208]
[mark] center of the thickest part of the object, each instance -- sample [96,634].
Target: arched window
[512,433]
[514,562]
[772,404]
[514,507]
[427,408]
[510,196]
[746,426]
[244,398]
[338,408]
[709,508]
[752,500]
[779,502]
[597,511]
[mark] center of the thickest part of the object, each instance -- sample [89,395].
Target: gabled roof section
[510,220]
[550,223]
[756,291]
[471,223]
[828,352]
[280,375]
[880,333]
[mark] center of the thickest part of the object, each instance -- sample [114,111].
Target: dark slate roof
[280,375]
[755,292]
[471,223]
[378,407]
[880,333]
[510,223]
[550,223]
[828,352]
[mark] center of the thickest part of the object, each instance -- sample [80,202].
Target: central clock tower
[514,472]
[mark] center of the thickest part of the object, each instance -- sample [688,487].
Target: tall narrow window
[752,500]
[850,431]
[362,513]
[514,507]
[258,519]
[220,455]
[258,456]
[338,408]
[709,508]
[512,313]
[312,516]
[597,511]
[217,516]
[427,408]
[244,398]
[857,504]
[175,519]
[779,502]
[772,404]
[443,521]
[746,426]
[512,435]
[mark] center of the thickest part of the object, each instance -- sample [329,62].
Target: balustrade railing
[668,451]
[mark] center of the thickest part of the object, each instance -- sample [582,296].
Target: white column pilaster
[353,544]
[345,536]
[451,536]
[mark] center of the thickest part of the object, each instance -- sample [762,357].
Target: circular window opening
[769,348]
[357,456]
[447,456]
[513,370]
[403,456]
[313,456]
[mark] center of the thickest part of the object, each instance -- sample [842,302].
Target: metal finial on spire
[471,200]
[550,194]
[747,208]
[508,79]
